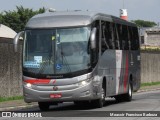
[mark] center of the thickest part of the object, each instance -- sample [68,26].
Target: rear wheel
[128,95]
[43,106]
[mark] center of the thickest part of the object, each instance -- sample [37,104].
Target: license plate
[55,95]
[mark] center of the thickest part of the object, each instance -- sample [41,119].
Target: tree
[142,23]
[18,18]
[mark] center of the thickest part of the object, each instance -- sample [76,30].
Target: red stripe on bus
[54,81]
[38,81]
[126,74]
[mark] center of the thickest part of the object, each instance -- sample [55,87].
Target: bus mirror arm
[93,38]
[16,40]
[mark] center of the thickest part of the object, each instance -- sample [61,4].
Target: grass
[150,84]
[3,99]
[150,48]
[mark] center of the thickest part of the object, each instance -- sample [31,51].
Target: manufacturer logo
[55,88]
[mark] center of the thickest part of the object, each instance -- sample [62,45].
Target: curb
[146,90]
[17,107]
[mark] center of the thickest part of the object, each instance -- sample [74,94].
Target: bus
[79,56]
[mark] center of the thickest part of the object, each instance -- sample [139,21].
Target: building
[6,32]
[150,36]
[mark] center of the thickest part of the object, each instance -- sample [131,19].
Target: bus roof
[70,19]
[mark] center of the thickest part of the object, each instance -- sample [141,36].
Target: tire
[44,106]
[128,95]
[99,103]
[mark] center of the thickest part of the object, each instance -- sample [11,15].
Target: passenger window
[107,36]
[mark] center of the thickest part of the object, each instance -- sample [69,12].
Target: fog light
[29,85]
[87,92]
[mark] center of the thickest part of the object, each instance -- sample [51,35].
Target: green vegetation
[143,23]
[150,48]
[18,18]
[3,99]
[150,84]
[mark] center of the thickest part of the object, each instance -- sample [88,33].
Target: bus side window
[125,38]
[129,37]
[105,36]
[116,36]
[135,39]
[120,36]
[133,45]
[112,44]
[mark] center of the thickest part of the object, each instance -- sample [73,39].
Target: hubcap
[130,91]
[102,96]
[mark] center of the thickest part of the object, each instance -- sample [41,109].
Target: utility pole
[123,12]
[123,4]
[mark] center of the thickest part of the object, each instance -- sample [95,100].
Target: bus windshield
[56,51]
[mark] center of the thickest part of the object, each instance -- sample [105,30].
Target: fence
[10,69]
[150,66]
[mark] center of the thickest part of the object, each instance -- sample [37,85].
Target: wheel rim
[130,91]
[102,95]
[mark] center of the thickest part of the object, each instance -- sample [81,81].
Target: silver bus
[79,56]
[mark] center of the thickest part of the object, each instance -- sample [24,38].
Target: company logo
[6,114]
[55,88]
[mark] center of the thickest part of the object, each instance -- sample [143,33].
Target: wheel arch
[104,85]
[131,80]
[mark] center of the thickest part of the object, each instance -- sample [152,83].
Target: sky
[137,9]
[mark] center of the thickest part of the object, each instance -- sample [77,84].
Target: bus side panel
[134,68]
[124,73]
[130,70]
[118,67]
[107,70]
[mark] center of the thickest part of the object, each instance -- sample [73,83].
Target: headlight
[29,85]
[84,82]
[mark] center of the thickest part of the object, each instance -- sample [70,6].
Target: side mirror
[93,38]
[16,40]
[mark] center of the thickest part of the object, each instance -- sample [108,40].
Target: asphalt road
[145,101]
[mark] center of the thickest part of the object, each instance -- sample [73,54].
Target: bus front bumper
[79,94]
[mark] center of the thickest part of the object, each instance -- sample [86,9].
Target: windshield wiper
[65,60]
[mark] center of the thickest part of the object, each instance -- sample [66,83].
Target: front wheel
[100,102]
